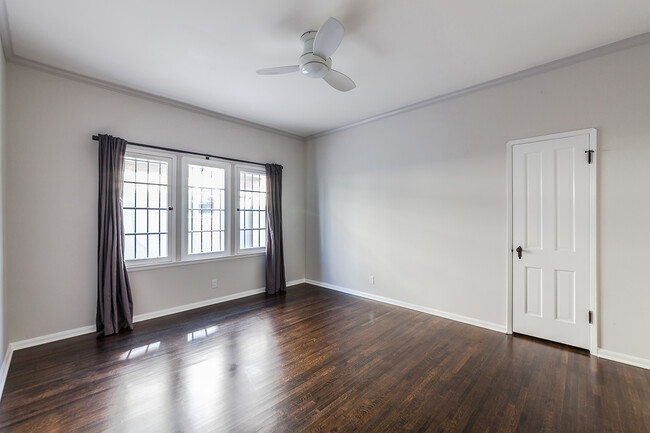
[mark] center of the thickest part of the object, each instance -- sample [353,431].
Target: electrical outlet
[214,283]
[371,280]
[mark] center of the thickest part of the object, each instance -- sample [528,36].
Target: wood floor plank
[318,360]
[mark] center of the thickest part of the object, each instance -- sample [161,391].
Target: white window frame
[237,241]
[170,158]
[227,251]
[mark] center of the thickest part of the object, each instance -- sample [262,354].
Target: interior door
[551,236]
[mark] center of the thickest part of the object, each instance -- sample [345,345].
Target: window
[206,189]
[146,198]
[205,230]
[251,213]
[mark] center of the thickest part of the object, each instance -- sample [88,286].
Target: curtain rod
[189,152]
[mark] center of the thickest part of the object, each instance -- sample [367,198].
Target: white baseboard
[186,307]
[625,359]
[4,369]
[602,353]
[49,338]
[427,310]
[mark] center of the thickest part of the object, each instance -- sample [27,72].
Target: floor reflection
[201,333]
[139,351]
[227,379]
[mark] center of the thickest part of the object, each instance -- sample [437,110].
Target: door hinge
[589,155]
[591,317]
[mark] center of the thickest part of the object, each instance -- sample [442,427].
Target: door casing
[593,247]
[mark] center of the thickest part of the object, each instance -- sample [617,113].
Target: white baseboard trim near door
[602,353]
[625,359]
[452,316]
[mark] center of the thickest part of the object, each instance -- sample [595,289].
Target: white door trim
[593,258]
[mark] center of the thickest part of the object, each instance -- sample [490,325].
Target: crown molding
[18,60]
[10,56]
[624,44]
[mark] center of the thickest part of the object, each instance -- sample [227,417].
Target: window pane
[154,172]
[128,195]
[256,220]
[249,219]
[256,200]
[207,241]
[242,245]
[154,224]
[196,242]
[196,220]
[129,221]
[141,246]
[263,238]
[263,220]
[163,221]
[163,197]
[216,244]
[154,196]
[256,239]
[249,182]
[163,245]
[206,198]
[141,221]
[248,239]
[129,170]
[195,198]
[206,219]
[154,246]
[163,174]
[141,195]
[141,171]
[129,247]
[216,220]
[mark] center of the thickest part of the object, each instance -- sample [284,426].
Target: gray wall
[419,200]
[51,200]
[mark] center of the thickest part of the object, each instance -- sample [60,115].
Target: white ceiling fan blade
[278,70]
[339,81]
[328,38]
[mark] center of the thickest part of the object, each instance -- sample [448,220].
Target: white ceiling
[206,52]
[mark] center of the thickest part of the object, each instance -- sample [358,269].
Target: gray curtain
[114,301]
[275,278]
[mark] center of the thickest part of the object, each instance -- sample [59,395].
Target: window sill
[136,268]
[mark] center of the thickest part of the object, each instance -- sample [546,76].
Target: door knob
[519,251]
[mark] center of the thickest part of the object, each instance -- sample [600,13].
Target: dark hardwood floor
[318,360]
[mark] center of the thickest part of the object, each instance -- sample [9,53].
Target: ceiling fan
[315,61]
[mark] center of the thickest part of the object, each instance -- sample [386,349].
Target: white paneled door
[551,237]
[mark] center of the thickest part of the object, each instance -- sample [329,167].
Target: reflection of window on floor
[139,351]
[201,333]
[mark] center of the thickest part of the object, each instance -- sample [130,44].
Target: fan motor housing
[311,65]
